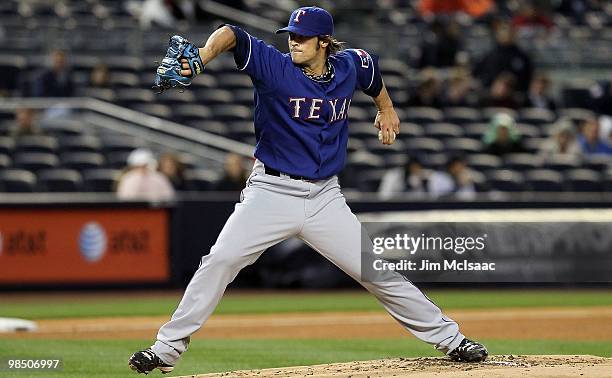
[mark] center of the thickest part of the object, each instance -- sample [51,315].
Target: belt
[274,172]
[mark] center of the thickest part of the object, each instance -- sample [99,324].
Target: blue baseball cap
[309,22]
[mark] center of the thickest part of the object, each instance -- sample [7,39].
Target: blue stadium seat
[505,180]
[17,181]
[81,143]
[583,180]
[82,160]
[483,162]
[100,180]
[462,115]
[423,115]
[544,180]
[35,161]
[536,116]
[36,143]
[59,180]
[521,162]
[442,130]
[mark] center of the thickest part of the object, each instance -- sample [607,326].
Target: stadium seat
[36,143]
[214,127]
[528,131]
[532,145]
[462,115]
[489,112]
[598,163]
[234,81]
[35,161]
[419,146]
[82,160]
[505,180]
[583,180]
[5,161]
[521,162]
[483,162]
[176,97]
[240,129]
[370,181]
[59,180]
[117,143]
[227,113]
[131,96]
[577,115]
[475,130]
[7,145]
[62,127]
[463,146]
[359,114]
[355,144]
[17,181]
[577,94]
[363,130]
[156,110]
[214,96]
[442,130]
[434,161]
[423,115]
[407,130]
[81,143]
[100,180]
[536,116]
[244,97]
[544,180]
[200,179]
[396,160]
[562,162]
[117,159]
[186,113]
[376,147]
[124,80]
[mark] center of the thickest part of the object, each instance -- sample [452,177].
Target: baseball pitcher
[302,103]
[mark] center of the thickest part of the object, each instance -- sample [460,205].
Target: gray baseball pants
[271,210]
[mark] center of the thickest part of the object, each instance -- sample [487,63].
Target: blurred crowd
[504,77]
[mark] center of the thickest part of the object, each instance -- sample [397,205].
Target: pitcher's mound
[495,366]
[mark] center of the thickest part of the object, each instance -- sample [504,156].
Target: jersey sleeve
[262,62]
[369,79]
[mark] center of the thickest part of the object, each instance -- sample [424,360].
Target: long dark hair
[334,45]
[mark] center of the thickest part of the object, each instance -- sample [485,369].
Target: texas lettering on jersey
[310,108]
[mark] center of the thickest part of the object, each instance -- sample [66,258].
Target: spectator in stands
[505,56]
[412,178]
[455,180]
[577,9]
[100,76]
[427,92]
[234,175]
[141,181]
[440,45]
[55,81]
[531,19]
[473,8]
[561,142]
[171,166]
[459,90]
[502,136]
[503,93]
[590,140]
[24,123]
[538,95]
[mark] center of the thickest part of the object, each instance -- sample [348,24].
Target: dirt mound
[495,366]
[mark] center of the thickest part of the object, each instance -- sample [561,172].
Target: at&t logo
[92,242]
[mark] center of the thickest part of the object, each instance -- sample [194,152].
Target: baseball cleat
[469,351]
[146,361]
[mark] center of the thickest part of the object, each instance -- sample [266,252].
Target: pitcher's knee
[221,260]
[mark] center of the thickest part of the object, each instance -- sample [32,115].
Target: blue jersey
[301,125]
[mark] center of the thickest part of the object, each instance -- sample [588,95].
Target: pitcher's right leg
[261,220]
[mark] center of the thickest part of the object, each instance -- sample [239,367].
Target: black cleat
[146,361]
[469,351]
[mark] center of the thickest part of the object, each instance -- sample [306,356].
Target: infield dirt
[496,366]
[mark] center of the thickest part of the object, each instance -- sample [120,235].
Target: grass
[237,303]
[108,358]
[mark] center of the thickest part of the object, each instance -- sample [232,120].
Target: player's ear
[323,42]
